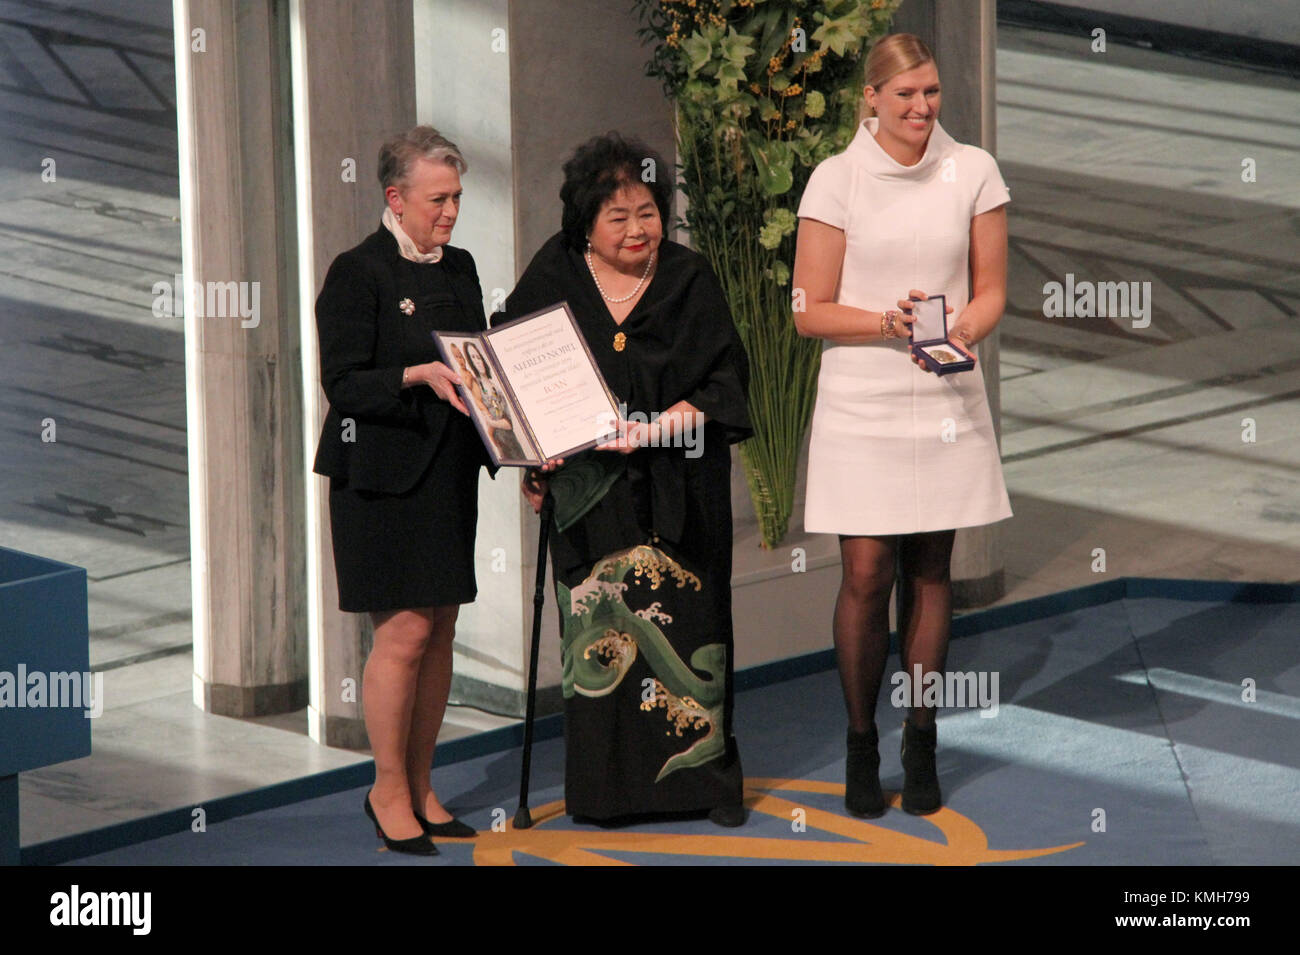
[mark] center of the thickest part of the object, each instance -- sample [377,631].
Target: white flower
[407,306]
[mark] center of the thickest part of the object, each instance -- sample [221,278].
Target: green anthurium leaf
[736,48]
[726,95]
[838,34]
[698,52]
[729,75]
[809,138]
[773,162]
[698,92]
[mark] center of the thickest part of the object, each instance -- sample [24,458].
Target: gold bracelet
[888,325]
[962,334]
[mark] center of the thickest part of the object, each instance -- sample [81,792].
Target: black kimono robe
[643,577]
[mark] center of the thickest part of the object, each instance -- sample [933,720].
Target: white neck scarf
[405,244]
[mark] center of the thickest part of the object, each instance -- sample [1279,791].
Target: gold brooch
[620,341]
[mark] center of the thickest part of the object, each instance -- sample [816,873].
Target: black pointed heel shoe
[920,778]
[415,846]
[862,794]
[446,830]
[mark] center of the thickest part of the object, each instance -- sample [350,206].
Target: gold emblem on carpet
[859,840]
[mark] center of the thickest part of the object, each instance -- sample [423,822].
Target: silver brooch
[407,306]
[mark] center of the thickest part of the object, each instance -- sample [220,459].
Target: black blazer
[365,342]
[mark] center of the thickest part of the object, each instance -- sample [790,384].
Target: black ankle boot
[920,778]
[862,795]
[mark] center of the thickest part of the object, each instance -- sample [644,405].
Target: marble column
[962,34]
[241,350]
[353,87]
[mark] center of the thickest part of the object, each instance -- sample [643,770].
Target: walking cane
[523,818]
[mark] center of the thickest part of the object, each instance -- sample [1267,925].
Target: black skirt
[402,551]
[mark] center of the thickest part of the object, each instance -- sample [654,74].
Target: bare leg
[925,608]
[862,623]
[430,705]
[388,692]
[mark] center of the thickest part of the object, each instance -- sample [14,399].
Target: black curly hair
[598,169]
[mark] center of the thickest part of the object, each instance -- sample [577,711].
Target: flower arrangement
[765,90]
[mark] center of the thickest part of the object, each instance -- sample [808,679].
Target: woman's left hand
[954,342]
[631,435]
[443,381]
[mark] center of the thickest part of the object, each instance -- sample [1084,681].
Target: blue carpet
[1121,738]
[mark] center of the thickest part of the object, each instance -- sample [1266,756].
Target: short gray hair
[399,154]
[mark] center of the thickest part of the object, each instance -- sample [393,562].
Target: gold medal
[620,341]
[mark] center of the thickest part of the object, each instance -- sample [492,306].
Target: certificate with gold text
[533,387]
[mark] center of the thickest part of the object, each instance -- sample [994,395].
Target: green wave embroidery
[602,637]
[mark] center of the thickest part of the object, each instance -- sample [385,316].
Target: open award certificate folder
[532,387]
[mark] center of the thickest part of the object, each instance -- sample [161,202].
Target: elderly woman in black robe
[642,545]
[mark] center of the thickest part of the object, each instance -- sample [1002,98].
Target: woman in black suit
[403,460]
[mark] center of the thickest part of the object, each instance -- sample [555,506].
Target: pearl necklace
[650,263]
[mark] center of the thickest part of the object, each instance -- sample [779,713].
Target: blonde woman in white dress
[899,457]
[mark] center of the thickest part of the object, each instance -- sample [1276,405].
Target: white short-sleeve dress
[881,423]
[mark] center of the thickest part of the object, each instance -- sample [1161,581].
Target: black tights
[862,615]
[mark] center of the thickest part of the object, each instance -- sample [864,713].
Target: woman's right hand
[913,297]
[536,483]
[442,380]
